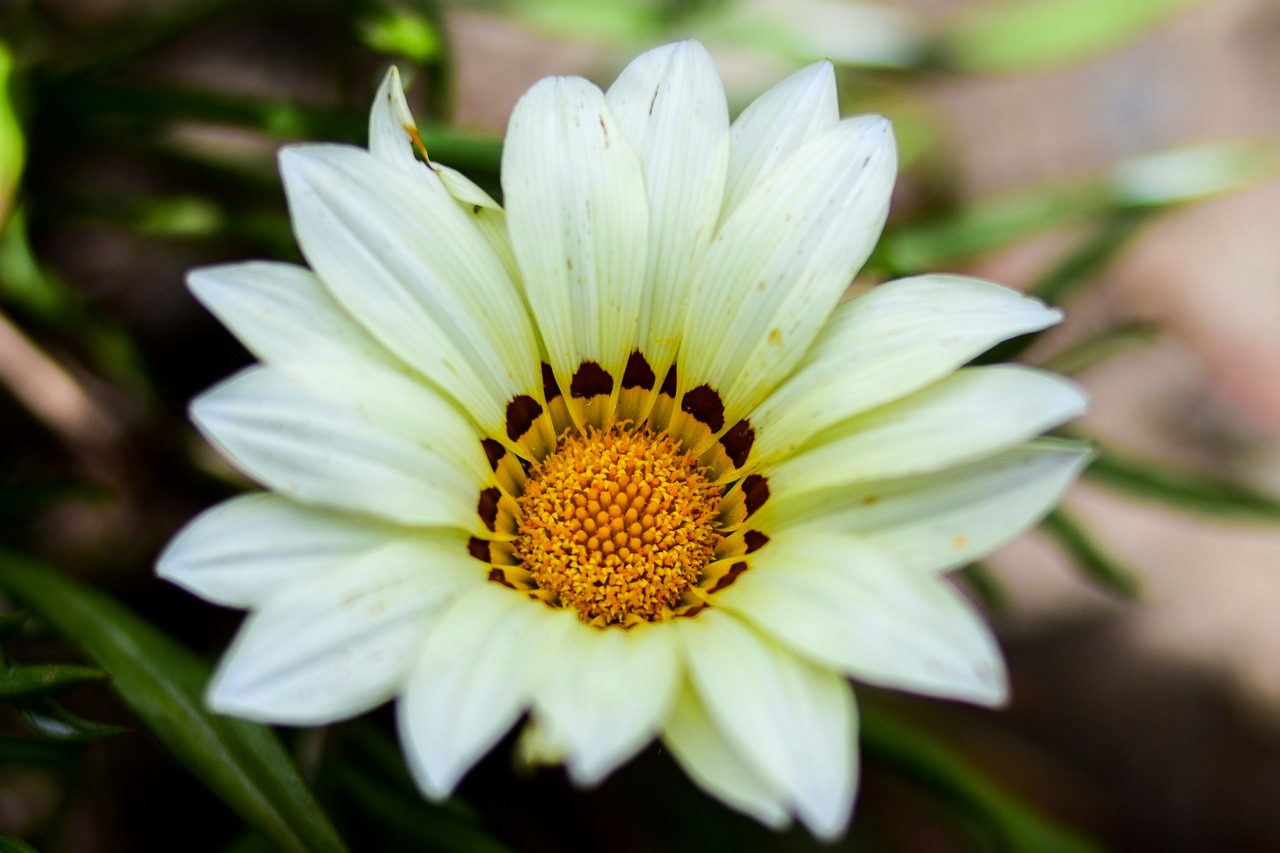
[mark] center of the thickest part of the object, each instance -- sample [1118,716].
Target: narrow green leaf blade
[924,760]
[1182,489]
[163,682]
[17,682]
[1017,36]
[49,719]
[1086,553]
[14,844]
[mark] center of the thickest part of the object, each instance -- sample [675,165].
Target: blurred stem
[1088,556]
[918,756]
[1102,346]
[1083,264]
[1181,489]
[978,578]
[1077,268]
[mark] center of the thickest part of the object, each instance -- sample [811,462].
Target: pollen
[618,524]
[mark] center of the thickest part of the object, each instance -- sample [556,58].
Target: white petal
[606,693]
[579,222]
[415,272]
[883,345]
[776,124]
[843,605]
[246,550]
[470,684]
[793,722]
[777,267]
[670,105]
[341,642]
[940,521]
[972,414]
[713,763]
[391,124]
[311,448]
[284,314]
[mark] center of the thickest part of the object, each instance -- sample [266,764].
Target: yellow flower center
[618,524]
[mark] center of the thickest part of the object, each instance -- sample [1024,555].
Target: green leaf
[1018,35]
[12,143]
[163,683]
[983,584]
[1182,489]
[14,750]
[19,681]
[1086,554]
[1102,346]
[14,844]
[49,719]
[1122,196]
[932,765]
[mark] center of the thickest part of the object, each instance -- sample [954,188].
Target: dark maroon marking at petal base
[732,575]
[494,451]
[755,540]
[550,388]
[755,491]
[488,506]
[522,411]
[497,576]
[638,373]
[669,383]
[478,548]
[737,442]
[591,380]
[704,404]
[696,609]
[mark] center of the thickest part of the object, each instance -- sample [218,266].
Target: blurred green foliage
[134,146]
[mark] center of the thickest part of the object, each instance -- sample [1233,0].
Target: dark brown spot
[755,540]
[478,548]
[494,451]
[550,388]
[475,209]
[591,380]
[522,411]
[605,131]
[704,404]
[755,491]
[669,384]
[487,508]
[638,373]
[693,611]
[654,99]
[497,576]
[737,442]
[735,571]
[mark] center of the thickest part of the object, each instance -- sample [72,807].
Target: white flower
[612,455]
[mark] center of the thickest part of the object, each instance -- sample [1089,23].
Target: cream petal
[776,124]
[841,604]
[970,415]
[938,522]
[284,315]
[605,693]
[716,767]
[356,454]
[884,345]
[793,723]
[471,683]
[246,550]
[391,125]
[416,273]
[343,641]
[579,225]
[779,264]
[670,106]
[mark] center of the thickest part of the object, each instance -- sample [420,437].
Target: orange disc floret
[617,523]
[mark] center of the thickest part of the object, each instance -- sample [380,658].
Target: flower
[614,455]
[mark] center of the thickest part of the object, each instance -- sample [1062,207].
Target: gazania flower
[614,456]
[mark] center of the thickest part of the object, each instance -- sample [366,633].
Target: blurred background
[1113,157]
